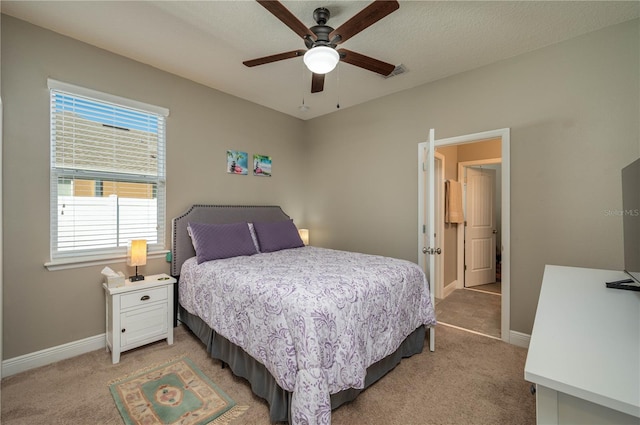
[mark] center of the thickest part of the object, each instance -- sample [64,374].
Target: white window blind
[107,173]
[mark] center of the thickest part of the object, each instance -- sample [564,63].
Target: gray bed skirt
[265,386]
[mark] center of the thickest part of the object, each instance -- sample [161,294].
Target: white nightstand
[139,313]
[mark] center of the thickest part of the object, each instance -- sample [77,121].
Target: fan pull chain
[338,85]
[302,83]
[303,107]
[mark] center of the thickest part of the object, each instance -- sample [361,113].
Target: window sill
[77,262]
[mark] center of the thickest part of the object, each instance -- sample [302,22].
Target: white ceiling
[207,41]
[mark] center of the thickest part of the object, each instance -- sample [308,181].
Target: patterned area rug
[176,392]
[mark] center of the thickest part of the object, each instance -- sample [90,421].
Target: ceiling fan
[321,40]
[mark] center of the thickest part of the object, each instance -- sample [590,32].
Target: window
[107,174]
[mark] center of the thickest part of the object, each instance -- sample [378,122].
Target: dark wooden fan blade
[317,83]
[363,19]
[366,62]
[274,58]
[278,10]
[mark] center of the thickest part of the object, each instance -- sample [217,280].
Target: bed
[309,328]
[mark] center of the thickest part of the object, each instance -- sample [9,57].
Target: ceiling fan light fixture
[321,59]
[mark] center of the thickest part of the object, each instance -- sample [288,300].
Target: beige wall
[488,149]
[573,112]
[47,308]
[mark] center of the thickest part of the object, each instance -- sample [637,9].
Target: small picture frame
[261,165]
[237,162]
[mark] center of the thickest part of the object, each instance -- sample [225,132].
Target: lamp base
[136,278]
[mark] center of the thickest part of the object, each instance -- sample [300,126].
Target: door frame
[439,218]
[461,229]
[504,135]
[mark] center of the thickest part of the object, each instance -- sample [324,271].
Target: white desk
[584,354]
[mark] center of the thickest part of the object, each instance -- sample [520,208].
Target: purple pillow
[217,241]
[277,235]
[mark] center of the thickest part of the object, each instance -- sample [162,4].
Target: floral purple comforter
[316,318]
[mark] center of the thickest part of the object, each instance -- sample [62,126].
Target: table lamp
[137,256]
[304,235]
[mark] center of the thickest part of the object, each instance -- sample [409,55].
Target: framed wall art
[261,165]
[237,162]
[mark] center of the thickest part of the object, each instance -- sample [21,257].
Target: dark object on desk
[631,219]
[624,284]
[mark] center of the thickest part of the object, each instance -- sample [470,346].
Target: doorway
[475,304]
[479,249]
[469,143]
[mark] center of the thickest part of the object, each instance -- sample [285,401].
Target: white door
[438,200]
[426,218]
[480,230]
[431,209]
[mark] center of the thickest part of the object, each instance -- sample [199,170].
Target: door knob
[495,231]
[438,251]
[424,250]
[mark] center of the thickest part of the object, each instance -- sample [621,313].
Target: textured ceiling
[207,41]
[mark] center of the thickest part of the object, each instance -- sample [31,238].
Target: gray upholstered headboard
[181,246]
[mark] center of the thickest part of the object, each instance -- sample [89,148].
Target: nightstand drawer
[140,298]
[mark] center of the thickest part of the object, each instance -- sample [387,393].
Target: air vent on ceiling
[399,69]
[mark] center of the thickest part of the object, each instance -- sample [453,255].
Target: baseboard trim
[52,355]
[447,290]
[515,338]
[520,339]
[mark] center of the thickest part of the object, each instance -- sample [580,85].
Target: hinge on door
[424,228]
[424,166]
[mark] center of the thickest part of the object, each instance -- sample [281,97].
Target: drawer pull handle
[145,298]
[123,330]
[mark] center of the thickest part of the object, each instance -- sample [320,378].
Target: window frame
[83,258]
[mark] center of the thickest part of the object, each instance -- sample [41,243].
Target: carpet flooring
[469,379]
[471,309]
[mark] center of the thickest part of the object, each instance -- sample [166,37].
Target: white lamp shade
[137,252]
[304,235]
[321,59]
